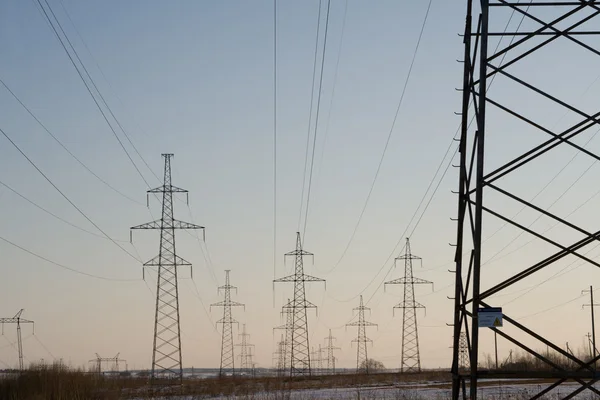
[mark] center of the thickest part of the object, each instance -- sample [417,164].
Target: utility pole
[166,352]
[17,320]
[591,306]
[411,358]
[227,355]
[299,346]
[246,354]
[287,328]
[362,361]
[330,356]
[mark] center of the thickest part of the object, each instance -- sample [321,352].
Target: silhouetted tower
[411,359]
[279,356]
[17,320]
[330,356]
[299,347]
[362,366]
[245,354]
[463,361]
[166,352]
[287,327]
[227,355]
[113,362]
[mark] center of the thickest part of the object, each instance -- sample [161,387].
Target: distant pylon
[299,348]
[330,356]
[227,355]
[463,361]
[279,356]
[411,359]
[246,353]
[166,352]
[317,360]
[17,320]
[362,365]
[287,327]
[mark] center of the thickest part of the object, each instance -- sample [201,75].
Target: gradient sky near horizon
[195,78]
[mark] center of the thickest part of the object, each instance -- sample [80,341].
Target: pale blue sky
[195,78]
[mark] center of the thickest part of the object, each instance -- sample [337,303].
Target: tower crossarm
[409,304]
[158,224]
[408,281]
[228,303]
[167,188]
[361,323]
[158,261]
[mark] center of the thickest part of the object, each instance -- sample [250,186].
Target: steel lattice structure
[18,321]
[245,353]
[299,347]
[330,356]
[112,361]
[362,364]
[411,359]
[463,360]
[166,352]
[279,357]
[227,354]
[287,328]
[516,63]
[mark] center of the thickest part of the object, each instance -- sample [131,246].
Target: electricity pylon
[330,356]
[299,347]
[246,353]
[114,360]
[463,361]
[17,320]
[362,361]
[279,356]
[411,358]
[287,328]
[317,360]
[591,306]
[166,352]
[227,355]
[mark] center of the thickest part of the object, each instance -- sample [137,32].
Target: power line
[414,56]
[62,265]
[109,85]
[274,138]
[65,196]
[64,147]
[312,161]
[335,77]
[54,215]
[89,89]
[310,113]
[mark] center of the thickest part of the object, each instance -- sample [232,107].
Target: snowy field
[424,391]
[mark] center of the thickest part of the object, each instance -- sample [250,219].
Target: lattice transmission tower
[411,358]
[287,312]
[279,357]
[299,346]
[227,355]
[505,72]
[463,361]
[18,321]
[166,351]
[112,362]
[330,355]
[362,360]
[246,350]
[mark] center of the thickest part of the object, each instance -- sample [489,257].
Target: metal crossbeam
[569,23]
